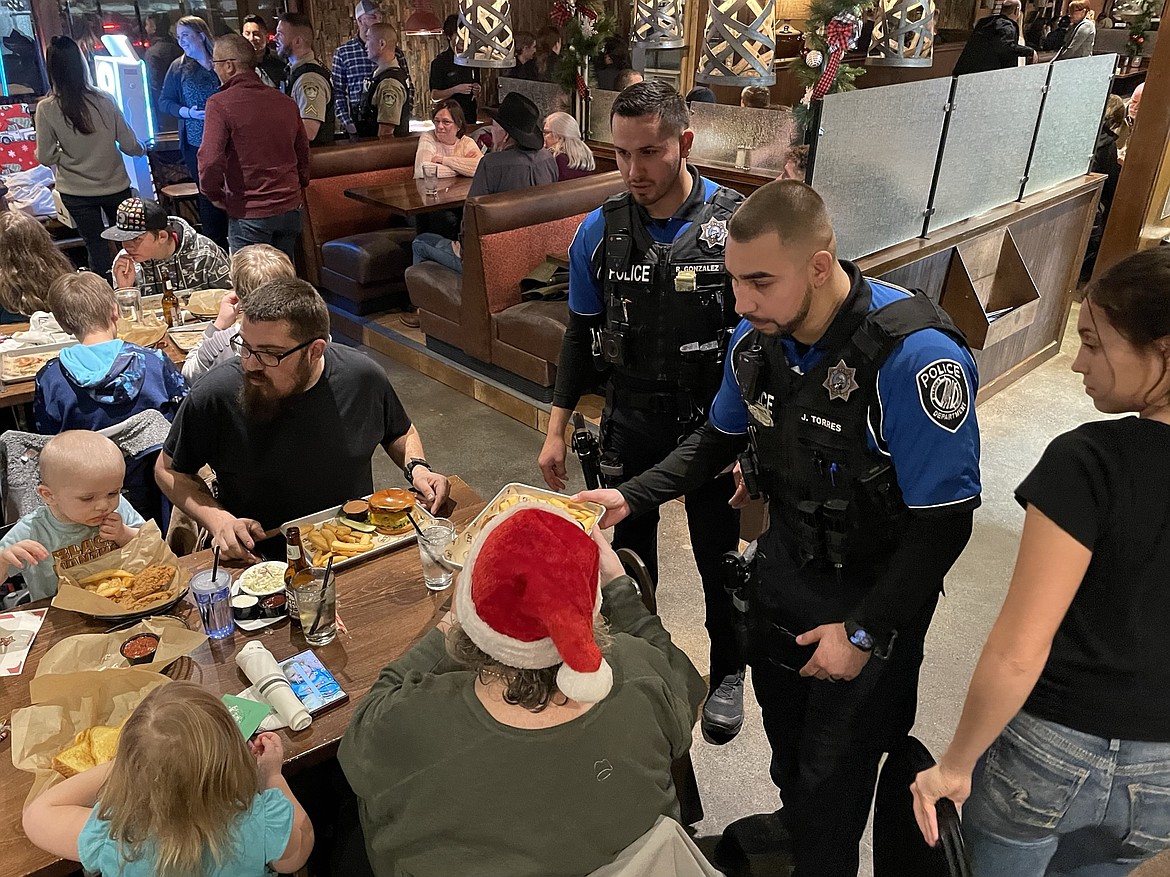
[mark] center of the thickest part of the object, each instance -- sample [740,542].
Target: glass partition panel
[548,96]
[21,75]
[1070,120]
[600,104]
[976,176]
[875,161]
[722,131]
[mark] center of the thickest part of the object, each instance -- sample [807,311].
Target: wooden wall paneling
[1136,218]
[928,274]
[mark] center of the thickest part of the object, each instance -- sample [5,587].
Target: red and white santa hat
[528,595]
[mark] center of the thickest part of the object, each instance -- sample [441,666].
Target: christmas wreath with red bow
[585,28]
[833,27]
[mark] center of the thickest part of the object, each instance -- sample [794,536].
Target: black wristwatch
[412,464]
[866,641]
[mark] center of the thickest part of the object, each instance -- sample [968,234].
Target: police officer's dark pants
[641,439]
[827,739]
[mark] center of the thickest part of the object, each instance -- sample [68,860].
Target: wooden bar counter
[383,602]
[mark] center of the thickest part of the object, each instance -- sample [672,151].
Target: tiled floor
[490,449]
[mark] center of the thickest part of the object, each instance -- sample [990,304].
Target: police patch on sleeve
[944,393]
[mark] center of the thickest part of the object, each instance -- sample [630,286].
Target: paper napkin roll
[264,673]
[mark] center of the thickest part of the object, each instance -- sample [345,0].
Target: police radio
[749,364]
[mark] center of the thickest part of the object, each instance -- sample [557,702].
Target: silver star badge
[713,233]
[841,382]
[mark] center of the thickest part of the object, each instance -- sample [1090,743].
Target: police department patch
[713,233]
[944,394]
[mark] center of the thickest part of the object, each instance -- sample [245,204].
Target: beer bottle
[297,562]
[172,309]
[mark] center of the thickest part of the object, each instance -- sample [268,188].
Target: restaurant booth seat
[479,317]
[350,250]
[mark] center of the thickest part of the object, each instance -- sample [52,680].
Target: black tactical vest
[651,315]
[836,502]
[328,130]
[367,115]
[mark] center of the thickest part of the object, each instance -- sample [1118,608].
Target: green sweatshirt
[445,789]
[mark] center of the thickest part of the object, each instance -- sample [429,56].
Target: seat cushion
[535,326]
[436,289]
[371,257]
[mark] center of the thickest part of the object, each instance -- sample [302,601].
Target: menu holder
[989,291]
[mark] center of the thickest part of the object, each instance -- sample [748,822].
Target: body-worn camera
[613,344]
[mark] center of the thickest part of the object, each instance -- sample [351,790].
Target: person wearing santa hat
[533,730]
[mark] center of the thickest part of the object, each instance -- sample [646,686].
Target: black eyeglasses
[266,359]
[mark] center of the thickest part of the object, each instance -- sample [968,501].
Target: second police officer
[646,279]
[854,401]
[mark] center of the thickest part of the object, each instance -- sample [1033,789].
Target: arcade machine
[122,75]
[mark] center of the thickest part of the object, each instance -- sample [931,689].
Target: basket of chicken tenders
[142,578]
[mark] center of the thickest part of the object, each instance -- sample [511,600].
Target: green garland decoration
[820,13]
[1139,27]
[576,47]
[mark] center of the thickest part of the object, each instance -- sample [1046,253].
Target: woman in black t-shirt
[1067,720]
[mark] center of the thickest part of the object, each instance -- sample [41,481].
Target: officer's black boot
[723,711]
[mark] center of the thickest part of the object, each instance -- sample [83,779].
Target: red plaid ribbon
[560,13]
[839,34]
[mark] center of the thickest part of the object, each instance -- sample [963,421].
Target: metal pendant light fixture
[485,29]
[658,24]
[903,35]
[739,43]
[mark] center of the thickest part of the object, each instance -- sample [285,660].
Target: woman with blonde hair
[29,263]
[562,137]
[185,795]
[189,82]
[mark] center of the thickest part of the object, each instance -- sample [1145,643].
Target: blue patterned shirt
[352,70]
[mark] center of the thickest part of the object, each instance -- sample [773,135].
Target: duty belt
[659,402]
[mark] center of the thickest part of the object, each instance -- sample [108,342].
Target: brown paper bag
[100,651]
[146,549]
[64,705]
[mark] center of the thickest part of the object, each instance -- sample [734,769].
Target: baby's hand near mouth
[115,530]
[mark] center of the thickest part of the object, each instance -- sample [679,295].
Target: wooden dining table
[383,603]
[408,197]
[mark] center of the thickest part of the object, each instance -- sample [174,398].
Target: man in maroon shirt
[254,161]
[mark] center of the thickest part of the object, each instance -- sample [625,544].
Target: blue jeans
[281,231]
[429,247]
[1040,782]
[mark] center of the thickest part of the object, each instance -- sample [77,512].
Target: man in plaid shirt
[352,67]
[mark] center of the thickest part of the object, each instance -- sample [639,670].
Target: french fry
[108,574]
[349,548]
[318,540]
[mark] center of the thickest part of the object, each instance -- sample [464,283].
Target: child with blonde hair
[84,515]
[185,796]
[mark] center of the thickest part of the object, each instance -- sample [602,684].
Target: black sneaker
[723,711]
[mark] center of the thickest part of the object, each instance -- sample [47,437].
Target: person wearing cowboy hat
[517,160]
[521,734]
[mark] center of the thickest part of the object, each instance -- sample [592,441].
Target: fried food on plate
[152,579]
[89,748]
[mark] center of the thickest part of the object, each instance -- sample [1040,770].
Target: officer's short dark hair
[256,19]
[297,19]
[654,99]
[790,209]
[450,25]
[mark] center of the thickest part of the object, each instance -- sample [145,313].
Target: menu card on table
[17,632]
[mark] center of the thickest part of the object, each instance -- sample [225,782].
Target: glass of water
[430,178]
[317,606]
[437,535]
[129,304]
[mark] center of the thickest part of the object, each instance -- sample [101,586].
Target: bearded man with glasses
[289,428]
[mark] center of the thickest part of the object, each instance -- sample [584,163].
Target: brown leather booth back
[514,231]
[333,169]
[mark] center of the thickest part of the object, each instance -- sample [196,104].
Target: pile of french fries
[338,541]
[111,584]
[583,516]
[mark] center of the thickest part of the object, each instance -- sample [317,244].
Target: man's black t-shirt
[314,454]
[445,73]
[1106,484]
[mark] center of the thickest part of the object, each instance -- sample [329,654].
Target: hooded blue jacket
[100,385]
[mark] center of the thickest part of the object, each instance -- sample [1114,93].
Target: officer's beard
[771,327]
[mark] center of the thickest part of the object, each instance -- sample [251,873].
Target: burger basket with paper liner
[146,549]
[205,302]
[101,651]
[64,705]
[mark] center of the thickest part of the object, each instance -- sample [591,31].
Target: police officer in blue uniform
[651,310]
[851,405]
